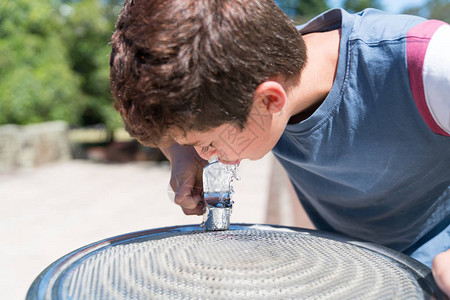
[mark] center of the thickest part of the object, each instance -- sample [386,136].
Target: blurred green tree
[433,9]
[54,61]
[36,81]
[359,5]
[302,10]
[91,24]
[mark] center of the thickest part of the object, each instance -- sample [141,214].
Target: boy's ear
[271,94]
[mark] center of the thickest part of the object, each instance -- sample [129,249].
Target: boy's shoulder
[372,25]
[369,25]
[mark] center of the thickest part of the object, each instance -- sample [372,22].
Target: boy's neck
[317,77]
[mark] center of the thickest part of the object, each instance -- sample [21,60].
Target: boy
[355,107]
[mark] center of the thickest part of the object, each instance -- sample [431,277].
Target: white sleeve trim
[436,77]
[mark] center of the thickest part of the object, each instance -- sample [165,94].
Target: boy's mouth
[235,162]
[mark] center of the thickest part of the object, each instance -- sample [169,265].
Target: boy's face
[230,144]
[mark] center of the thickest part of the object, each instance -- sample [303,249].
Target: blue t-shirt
[365,163]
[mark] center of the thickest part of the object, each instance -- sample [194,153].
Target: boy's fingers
[187,195]
[186,201]
[441,271]
[190,202]
[188,189]
[197,211]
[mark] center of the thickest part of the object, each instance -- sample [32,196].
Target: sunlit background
[69,174]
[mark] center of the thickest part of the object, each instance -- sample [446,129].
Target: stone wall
[33,145]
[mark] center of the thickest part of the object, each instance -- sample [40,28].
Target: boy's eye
[207,148]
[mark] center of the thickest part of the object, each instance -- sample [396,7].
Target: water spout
[217,191]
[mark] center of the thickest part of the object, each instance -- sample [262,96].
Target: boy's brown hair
[195,64]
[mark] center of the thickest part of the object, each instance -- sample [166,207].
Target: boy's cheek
[236,143]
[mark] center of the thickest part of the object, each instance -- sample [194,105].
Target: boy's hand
[441,271]
[186,177]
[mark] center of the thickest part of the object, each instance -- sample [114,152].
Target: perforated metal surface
[244,262]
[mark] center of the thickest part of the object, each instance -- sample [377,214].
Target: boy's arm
[441,271]
[428,62]
[186,177]
[429,75]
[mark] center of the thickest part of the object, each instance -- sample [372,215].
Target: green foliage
[36,83]
[310,8]
[54,61]
[91,23]
[303,10]
[434,9]
[359,5]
